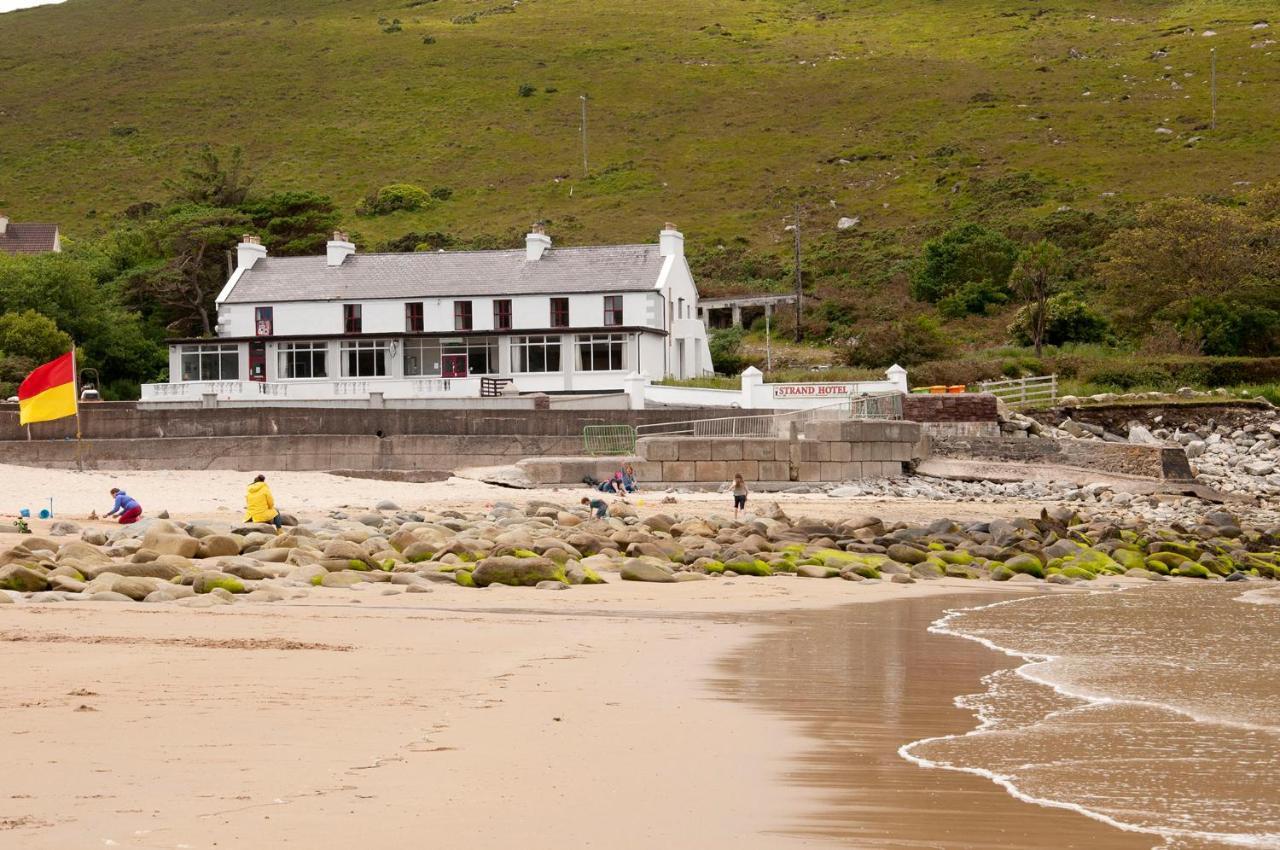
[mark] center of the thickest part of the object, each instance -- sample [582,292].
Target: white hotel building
[349,326]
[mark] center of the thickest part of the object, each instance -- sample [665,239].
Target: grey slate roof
[29,238]
[613,268]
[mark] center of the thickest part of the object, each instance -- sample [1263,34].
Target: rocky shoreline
[549,546]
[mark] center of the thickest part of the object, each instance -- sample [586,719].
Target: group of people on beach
[623,482]
[260,505]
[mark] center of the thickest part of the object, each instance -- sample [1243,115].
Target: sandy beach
[744,712]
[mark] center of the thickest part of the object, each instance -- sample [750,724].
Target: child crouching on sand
[596,506]
[739,494]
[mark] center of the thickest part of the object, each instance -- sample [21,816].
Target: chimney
[249,251]
[670,241]
[4,224]
[339,248]
[536,242]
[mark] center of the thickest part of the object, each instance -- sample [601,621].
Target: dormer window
[351,320]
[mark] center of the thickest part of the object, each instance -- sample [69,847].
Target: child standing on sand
[739,494]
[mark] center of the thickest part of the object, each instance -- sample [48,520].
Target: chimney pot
[670,241]
[536,242]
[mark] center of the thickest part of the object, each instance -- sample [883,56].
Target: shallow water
[1155,709]
[859,682]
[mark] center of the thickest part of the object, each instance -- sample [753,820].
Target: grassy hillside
[711,113]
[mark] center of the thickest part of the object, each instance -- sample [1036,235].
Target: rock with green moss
[1158,567]
[517,571]
[23,579]
[862,571]
[207,580]
[1024,564]
[960,571]
[580,574]
[958,556]
[1169,559]
[749,568]
[1128,558]
[928,570]
[1078,573]
[1191,570]
[1000,572]
[464,578]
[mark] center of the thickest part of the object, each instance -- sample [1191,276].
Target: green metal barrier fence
[600,440]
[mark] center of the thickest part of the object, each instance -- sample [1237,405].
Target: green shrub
[393,198]
[954,372]
[905,342]
[970,253]
[1232,327]
[973,297]
[526,90]
[1069,320]
[726,350]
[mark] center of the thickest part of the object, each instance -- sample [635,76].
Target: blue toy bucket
[25,512]
[44,513]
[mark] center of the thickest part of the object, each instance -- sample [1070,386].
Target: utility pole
[583,98]
[795,229]
[1213,87]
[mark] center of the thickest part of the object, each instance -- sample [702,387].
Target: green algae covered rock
[960,571]
[463,577]
[807,571]
[1077,573]
[863,570]
[517,571]
[1000,572]
[209,579]
[1025,564]
[756,567]
[1191,570]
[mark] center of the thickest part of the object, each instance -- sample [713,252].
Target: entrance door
[453,366]
[257,361]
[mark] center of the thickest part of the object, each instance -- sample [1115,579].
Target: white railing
[1040,391]
[315,389]
[779,425]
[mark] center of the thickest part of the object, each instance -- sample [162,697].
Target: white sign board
[811,390]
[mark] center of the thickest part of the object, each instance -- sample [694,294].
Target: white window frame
[214,358]
[314,350]
[349,346]
[547,343]
[594,344]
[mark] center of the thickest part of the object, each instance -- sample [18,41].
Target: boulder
[551,585]
[816,571]
[518,572]
[218,545]
[153,569]
[22,579]
[172,544]
[635,569]
[207,580]
[62,528]
[904,554]
[386,505]
[94,537]
[926,571]
[136,588]
[345,550]
[78,550]
[622,510]
[344,578]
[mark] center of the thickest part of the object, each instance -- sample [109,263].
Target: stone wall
[961,407]
[1159,462]
[309,452]
[122,420]
[828,452]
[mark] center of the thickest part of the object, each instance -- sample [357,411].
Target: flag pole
[75,385]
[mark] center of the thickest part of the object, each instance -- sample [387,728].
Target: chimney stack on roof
[249,251]
[339,248]
[4,224]
[536,242]
[670,241]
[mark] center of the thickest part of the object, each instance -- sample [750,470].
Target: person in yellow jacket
[259,506]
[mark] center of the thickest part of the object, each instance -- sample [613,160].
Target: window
[559,312]
[422,356]
[364,358]
[602,352]
[612,310]
[502,314]
[413,322]
[351,322]
[210,362]
[262,321]
[462,315]
[304,360]
[535,354]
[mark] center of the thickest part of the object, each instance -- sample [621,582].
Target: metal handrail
[878,406]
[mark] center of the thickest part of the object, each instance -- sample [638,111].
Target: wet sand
[861,681]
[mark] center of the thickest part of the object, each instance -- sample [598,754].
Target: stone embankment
[549,546]
[1233,449]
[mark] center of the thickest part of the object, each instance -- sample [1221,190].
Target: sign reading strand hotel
[811,390]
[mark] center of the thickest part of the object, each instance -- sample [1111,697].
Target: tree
[207,181]
[968,254]
[189,243]
[1185,248]
[29,334]
[1034,279]
[293,224]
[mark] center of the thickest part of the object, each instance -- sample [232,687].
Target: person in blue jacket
[126,506]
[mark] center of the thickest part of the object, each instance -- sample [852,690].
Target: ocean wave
[1038,668]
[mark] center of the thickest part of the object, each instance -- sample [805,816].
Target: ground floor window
[304,360]
[422,357]
[602,352]
[364,358]
[210,362]
[535,354]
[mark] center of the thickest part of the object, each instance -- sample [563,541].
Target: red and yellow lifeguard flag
[49,392]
